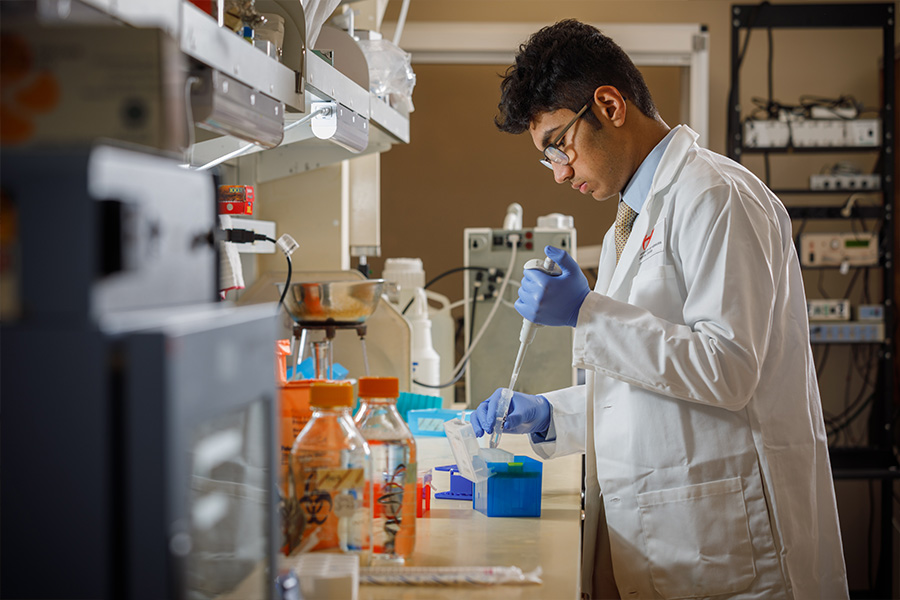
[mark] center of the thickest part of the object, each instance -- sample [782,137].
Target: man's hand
[526,414]
[553,299]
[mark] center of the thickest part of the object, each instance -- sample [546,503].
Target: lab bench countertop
[453,534]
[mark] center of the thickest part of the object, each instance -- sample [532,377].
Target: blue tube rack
[460,487]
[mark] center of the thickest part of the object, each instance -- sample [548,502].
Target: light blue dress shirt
[638,188]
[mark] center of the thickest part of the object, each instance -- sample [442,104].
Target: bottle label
[332,505]
[337,479]
[345,505]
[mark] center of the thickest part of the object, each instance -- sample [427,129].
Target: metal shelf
[863,463]
[878,461]
[832,267]
[806,16]
[202,39]
[300,150]
[811,192]
[834,212]
[810,150]
[846,343]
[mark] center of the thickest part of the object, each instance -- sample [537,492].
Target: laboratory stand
[862,434]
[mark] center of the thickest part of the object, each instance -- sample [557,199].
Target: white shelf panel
[328,83]
[392,122]
[203,39]
[311,154]
[165,14]
[300,150]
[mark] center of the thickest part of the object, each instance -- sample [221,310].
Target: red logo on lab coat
[647,239]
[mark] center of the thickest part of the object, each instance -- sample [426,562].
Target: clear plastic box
[466,451]
[430,421]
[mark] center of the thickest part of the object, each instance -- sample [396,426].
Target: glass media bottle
[331,483]
[394,474]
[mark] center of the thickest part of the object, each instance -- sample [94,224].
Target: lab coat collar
[638,189]
[670,165]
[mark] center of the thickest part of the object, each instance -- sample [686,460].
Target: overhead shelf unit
[303,78]
[877,460]
[301,150]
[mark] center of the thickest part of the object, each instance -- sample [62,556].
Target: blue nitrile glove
[553,299]
[527,414]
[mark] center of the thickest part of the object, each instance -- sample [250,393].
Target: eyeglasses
[552,153]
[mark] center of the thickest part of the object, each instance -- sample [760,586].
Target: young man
[707,461]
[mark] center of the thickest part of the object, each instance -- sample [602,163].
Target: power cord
[285,243]
[493,272]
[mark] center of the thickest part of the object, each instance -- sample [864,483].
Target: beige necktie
[624,220]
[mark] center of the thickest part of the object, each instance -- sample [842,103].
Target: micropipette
[526,336]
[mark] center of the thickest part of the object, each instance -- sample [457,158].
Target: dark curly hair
[560,66]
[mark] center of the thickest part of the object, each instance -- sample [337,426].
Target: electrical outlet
[817,133]
[862,132]
[870,312]
[845,182]
[828,310]
[766,134]
[852,332]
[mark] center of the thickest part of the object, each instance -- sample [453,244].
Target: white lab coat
[706,438]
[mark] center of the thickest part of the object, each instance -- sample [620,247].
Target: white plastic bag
[390,73]
[317,12]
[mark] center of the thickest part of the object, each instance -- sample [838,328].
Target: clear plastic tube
[448,575]
[513,238]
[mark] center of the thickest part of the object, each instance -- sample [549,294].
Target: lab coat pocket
[645,274]
[656,289]
[698,539]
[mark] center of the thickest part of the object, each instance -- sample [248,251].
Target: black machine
[137,413]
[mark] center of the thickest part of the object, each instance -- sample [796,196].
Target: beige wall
[458,171]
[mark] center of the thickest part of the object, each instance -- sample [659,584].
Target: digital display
[856,243]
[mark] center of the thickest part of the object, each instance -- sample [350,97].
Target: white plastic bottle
[426,363]
[405,275]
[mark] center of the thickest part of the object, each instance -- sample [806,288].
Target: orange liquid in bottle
[394,506]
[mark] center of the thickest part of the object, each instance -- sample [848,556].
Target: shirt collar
[638,188]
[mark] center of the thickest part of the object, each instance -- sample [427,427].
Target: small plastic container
[328,576]
[430,421]
[408,401]
[466,451]
[423,495]
[458,487]
[512,490]
[394,476]
[329,503]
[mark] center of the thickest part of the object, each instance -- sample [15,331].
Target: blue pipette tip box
[408,401]
[512,490]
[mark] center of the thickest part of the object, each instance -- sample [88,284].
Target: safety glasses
[552,153]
